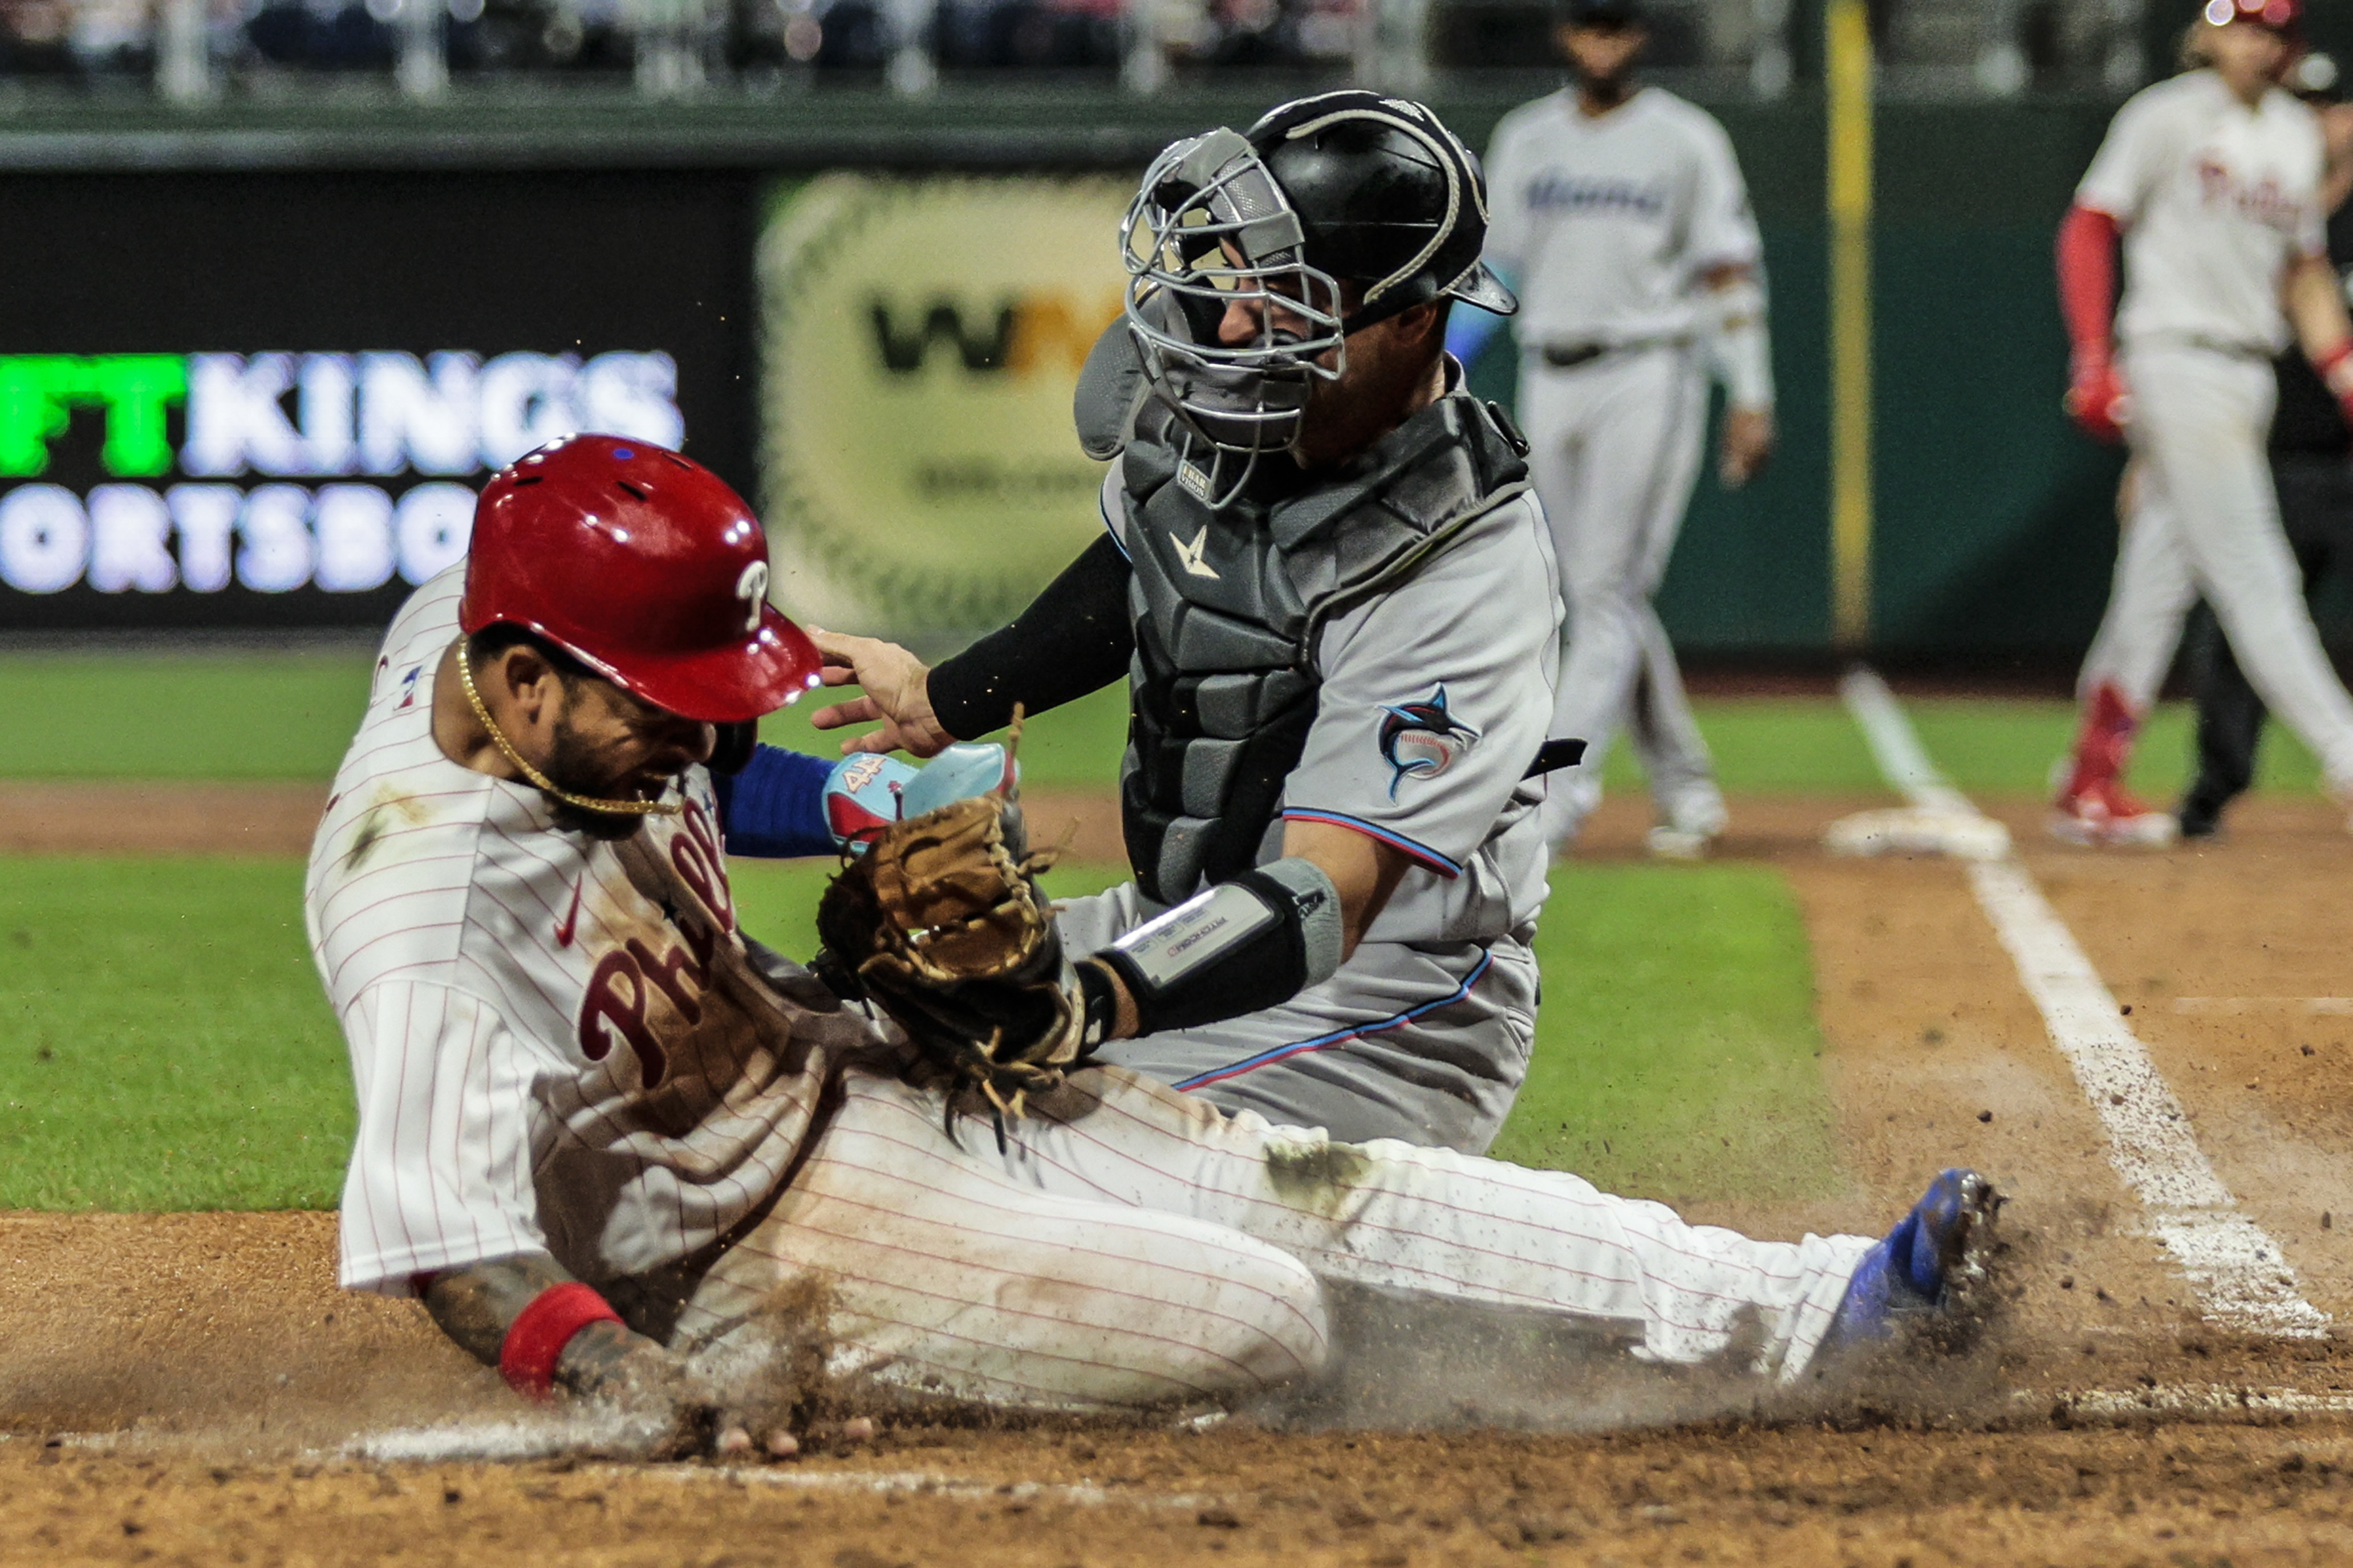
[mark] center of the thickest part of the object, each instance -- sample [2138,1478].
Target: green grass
[164,1041]
[1801,744]
[184,716]
[164,1046]
[288,716]
[1677,1051]
[1995,747]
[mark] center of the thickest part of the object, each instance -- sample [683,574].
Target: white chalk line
[2213,1399]
[2241,1278]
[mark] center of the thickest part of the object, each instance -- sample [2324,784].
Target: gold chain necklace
[540,781]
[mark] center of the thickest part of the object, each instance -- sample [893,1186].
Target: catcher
[1333,597]
[602,1135]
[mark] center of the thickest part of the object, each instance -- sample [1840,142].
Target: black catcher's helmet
[1343,187]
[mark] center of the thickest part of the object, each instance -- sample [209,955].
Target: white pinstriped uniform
[2217,201]
[1131,1244]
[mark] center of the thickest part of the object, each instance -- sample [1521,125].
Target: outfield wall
[259,353]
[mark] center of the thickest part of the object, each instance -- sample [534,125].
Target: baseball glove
[941,924]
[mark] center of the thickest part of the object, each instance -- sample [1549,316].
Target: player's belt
[1568,356]
[2230,348]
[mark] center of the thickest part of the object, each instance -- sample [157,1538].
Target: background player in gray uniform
[2312,471]
[1333,596]
[1620,215]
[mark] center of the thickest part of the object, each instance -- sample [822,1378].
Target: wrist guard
[1742,350]
[1252,943]
[535,1340]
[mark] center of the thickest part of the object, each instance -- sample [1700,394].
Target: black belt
[1568,356]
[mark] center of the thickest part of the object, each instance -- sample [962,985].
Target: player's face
[1257,307]
[609,745]
[1602,52]
[2246,55]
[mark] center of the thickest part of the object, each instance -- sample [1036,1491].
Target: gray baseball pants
[1615,453]
[1426,1042]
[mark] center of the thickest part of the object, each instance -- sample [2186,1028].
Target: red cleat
[2106,813]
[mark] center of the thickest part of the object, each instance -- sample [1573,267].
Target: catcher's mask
[1342,188]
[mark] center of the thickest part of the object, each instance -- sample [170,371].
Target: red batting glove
[2096,399]
[2336,368]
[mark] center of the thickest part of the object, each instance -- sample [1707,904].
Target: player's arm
[540,1327]
[1075,638]
[1245,945]
[2316,307]
[544,1331]
[2087,294]
[774,805]
[2123,174]
[1727,267]
[1741,345]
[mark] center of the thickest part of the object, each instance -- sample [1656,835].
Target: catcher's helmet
[1343,187]
[647,568]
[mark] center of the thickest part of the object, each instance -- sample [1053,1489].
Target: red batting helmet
[2279,15]
[647,568]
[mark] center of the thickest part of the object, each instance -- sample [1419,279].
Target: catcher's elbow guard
[1252,943]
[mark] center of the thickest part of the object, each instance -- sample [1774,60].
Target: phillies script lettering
[622,986]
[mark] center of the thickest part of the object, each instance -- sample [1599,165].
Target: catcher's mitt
[942,925]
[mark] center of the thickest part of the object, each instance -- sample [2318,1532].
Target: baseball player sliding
[603,1136]
[1331,593]
[2213,179]
[1621,219]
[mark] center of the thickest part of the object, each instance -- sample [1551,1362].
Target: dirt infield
[191,1387]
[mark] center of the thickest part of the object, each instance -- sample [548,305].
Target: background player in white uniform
[2213,178]
[580,1092]
[1621,219]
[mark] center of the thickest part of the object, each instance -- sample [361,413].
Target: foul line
[2238,1272]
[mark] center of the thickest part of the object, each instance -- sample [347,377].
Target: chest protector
[1227,601]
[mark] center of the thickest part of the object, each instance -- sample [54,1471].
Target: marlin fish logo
[1421,740]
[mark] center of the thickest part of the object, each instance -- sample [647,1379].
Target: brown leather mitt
[941,924]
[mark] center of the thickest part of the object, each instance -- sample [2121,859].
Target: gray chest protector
[1227,600]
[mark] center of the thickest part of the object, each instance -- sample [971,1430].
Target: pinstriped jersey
[555,1039]
[2217,200]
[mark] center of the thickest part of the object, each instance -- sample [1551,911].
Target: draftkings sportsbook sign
[253,476]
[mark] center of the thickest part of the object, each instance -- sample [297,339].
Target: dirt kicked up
[191,1388]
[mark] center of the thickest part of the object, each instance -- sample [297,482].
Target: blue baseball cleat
[1912,1275]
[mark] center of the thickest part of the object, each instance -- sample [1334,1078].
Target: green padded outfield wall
[1994,531]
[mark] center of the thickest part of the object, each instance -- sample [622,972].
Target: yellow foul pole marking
[1849,57]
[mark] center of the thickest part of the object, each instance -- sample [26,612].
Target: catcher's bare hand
[897,695]
[1748,439]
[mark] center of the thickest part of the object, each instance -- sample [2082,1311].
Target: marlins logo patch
[1421,740]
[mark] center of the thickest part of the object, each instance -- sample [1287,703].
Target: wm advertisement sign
[924,339]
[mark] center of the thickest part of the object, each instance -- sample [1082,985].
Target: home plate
[1919,830]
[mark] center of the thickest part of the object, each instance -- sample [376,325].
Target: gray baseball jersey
[1607,225]
[1434,697]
